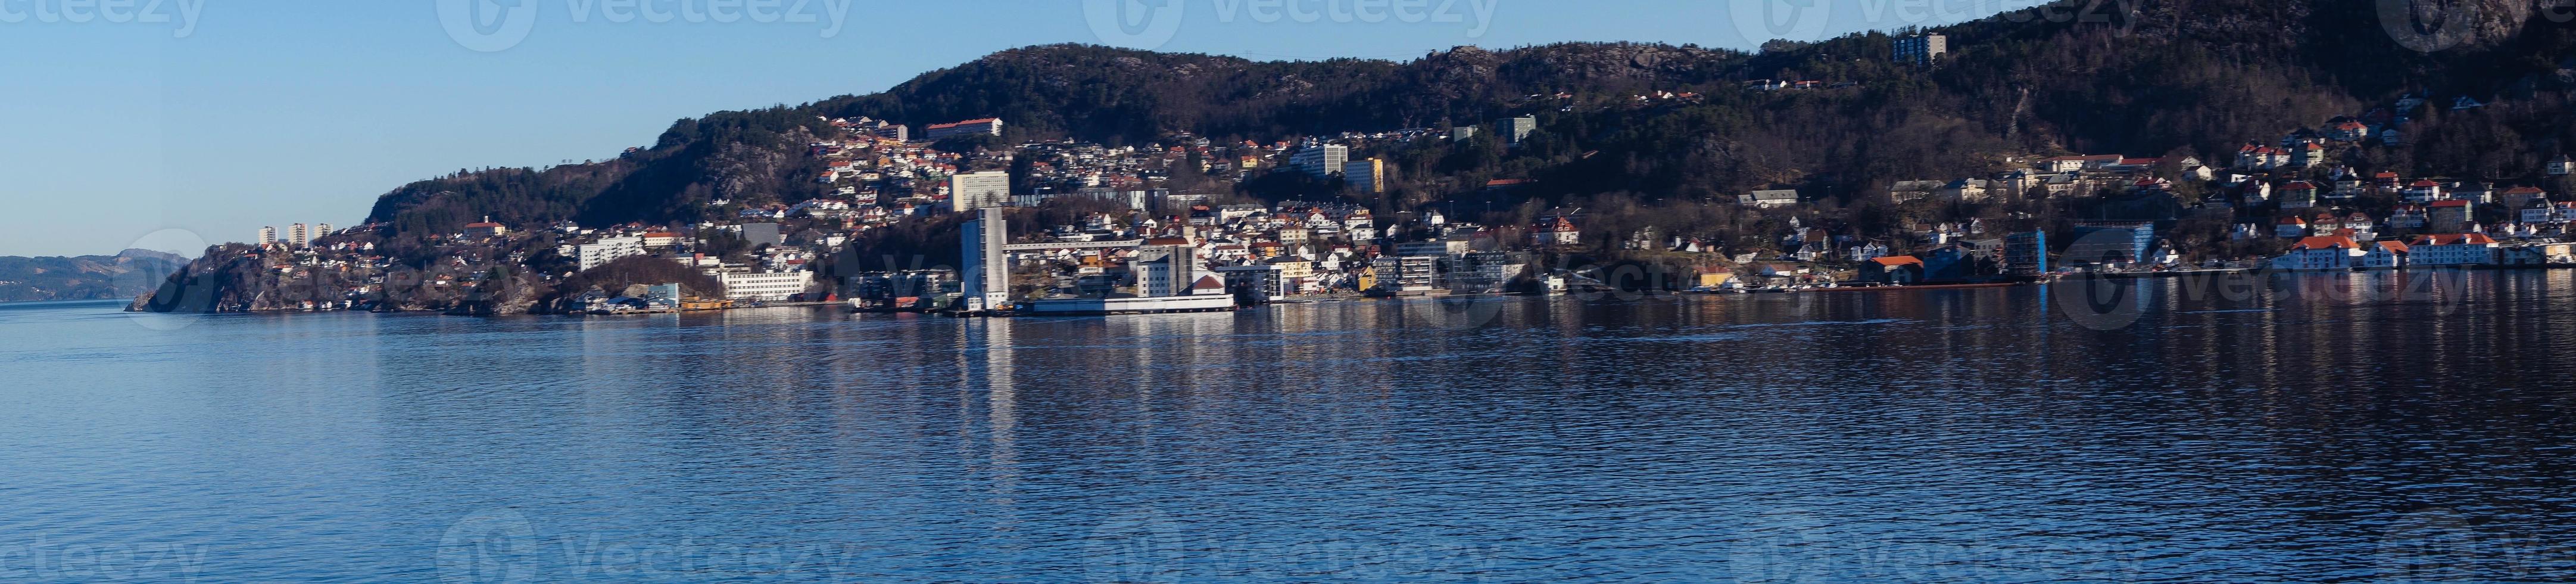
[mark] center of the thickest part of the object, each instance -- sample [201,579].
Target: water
[2314,434]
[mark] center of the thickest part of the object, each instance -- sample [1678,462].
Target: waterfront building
[1406,275]
[1260,282]
[2120,243]
[986,280]
[2462,249]
[1892,270]
[2385,255]
[746,284]
[2025,254]
[2322,253]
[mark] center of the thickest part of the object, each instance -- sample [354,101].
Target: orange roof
[973,121]
[2451,203]
[2393,245]
[1894,261]
[2455,239]
[2327,243]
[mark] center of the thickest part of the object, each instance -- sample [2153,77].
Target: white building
[987,277]
[983,126]
[298,235]
[1923,49]
[742,284]
[608,249]
[1164,271]
[1771,198]
[1518,129]
[2464,249]
[2320,254]
[979,190]
[2386,255]
[267,236]
[1321,161]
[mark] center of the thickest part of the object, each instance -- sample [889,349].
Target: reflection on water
[2376,427]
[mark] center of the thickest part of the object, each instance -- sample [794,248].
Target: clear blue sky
[235,114]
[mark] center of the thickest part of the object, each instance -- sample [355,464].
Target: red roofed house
[486,229]
[2320,254]
[2463,249]
[2386,255]
[2451,215]
[1892,270]
[2522,196]
[2311,154]
[2291,227]
[2423,191]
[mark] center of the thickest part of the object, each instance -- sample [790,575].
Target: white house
[1771,198]
[2291,227]
[2464,249]
[2320,254]
[2386,255]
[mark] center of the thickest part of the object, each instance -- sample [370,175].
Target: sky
[170,124]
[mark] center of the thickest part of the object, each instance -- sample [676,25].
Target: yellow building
[1367,176]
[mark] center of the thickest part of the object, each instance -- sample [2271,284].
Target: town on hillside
[1091,220]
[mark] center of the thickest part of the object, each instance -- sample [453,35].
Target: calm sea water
[2327,432]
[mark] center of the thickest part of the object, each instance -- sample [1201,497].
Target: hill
[123,275]
[2173,77]
[1648,136]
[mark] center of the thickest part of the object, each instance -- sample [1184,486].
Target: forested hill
[2172,77]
